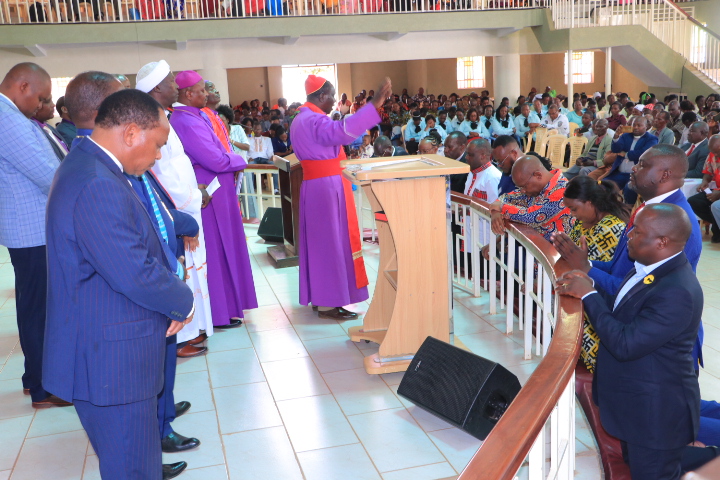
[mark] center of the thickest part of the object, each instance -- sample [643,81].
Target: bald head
[530,175]
[383,146]
[714,145]
[28,86]
[661,231]
[124,80]
[86,92]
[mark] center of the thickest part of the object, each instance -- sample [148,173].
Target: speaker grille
[445,379]
[460,387]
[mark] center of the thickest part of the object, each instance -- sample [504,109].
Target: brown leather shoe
[51,401]
[199,339]
[26,391]
[338,313]
[191,351]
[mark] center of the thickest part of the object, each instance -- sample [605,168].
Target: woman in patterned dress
[600,218]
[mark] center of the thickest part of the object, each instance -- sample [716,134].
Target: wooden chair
[577,146]
[572,127]
[555,149]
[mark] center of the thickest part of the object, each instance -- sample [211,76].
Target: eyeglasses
[496,163]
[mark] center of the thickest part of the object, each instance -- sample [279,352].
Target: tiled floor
[285,397]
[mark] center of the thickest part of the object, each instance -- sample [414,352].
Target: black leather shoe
[172,470]
[175,442]
[234,322]
[181,408]
[338,313]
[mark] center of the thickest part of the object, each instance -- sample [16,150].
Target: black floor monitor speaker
[271,226]
[458,386]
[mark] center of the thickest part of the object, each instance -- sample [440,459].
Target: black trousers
[650,464]
[701,206]
[30,267]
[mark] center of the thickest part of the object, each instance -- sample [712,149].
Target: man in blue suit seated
[115,288]
[645,384]
[657,178]
[627,149]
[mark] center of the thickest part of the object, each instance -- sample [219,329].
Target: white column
[216,73]
[506,77]
[570,86]
[608,71]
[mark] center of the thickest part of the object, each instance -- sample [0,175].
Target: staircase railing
[672,24]
[519,274]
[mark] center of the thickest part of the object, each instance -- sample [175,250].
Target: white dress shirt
[641,271]
[261,147]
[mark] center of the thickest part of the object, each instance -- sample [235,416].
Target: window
[471,72]
[294,76]
[59,84]
[583,67]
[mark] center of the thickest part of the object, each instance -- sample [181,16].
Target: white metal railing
[258,190]
[519,279]
[673,25]
[82,11]
[515,280]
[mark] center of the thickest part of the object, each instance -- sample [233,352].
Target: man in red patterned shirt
[705,203]
[537,202]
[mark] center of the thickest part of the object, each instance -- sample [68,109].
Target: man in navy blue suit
[115,287]
[645,382]
[657,178]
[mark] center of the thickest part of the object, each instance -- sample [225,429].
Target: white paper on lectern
[214,185]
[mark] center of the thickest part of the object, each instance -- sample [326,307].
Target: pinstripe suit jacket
[111,287]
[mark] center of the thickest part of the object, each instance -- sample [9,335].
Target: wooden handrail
[507,446]
[260,166]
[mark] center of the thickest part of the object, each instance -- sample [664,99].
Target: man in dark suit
[115,287]
[696,149]
[627,148]
[645,383]
[383,147]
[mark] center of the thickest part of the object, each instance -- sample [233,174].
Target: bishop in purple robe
[230,278]
[332,271]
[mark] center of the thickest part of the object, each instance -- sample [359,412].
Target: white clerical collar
[109,154]
[660,198]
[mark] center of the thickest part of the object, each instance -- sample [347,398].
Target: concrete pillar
[215,72]
[570,85]
[608,71]
[506,77]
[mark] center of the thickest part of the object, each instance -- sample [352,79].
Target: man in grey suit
[696,149]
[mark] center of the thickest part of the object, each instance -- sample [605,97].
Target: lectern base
[357,334]
[373,365]
[282,257]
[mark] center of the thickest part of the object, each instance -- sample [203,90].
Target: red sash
[219,128]
[313,169]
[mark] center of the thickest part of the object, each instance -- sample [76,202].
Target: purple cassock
[327,274]
[230,281]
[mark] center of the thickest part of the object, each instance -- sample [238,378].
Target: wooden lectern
[412,293]
[290,177]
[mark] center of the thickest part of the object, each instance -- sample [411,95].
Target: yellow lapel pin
[649,279]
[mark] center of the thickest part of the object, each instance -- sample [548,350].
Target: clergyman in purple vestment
[327,270]
[230,278]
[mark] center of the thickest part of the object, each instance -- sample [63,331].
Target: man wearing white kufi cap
[177,177]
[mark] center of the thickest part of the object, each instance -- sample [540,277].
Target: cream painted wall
[436,76]
[247,84]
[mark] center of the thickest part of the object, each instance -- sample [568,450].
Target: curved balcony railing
[89,11]
[519,276]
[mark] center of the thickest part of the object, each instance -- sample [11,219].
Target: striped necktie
[156,209]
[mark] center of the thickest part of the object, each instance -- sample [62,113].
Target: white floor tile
[261,454]
[296,378]
[349,462]
[315,422]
